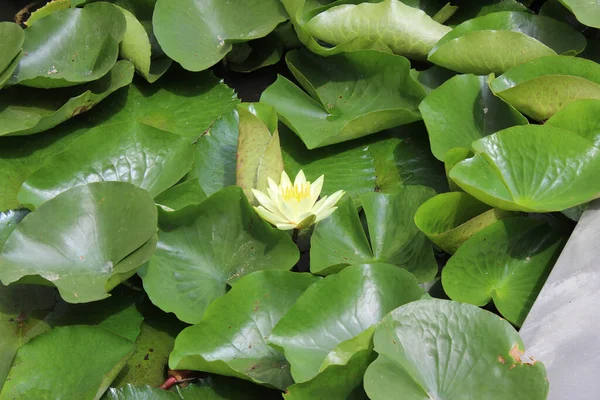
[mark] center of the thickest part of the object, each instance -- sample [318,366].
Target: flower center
[297,192]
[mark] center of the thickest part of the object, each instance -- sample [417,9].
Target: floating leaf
[449,219]
[499,41]
[214,25]
[231,338]
[61,359]
[24,111]
[180,204]
[531,168]
[457,121]
[449,350]
[507,262]
[126,152]
[580,117]
[337,309]
[193,264]
[469,9]
[587,12]
[85,241]
[47,9]
[10,49]
[432,77]
[347,98]
[8,223]
[542,87]
[340,240]
[407,31]
[70,47]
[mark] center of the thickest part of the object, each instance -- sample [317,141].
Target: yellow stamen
[297,192]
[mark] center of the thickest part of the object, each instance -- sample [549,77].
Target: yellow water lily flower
[295,206]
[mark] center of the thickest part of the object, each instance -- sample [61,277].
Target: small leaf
[10,49]
[180,204]
[580,117]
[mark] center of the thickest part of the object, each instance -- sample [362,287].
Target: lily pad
[194,264]
[457,121]
[60,362]
[336,309]
[240,321]
[85,241]
[469,9]
[70,47]
[8,223]
[24,111]
[499,41]
[180,204]
[586,12]
[507,262]
[531,168]
[449,350]
[580,117]
[346,101]
[10,49]
[211,26]
[449,219]
[340,240]
[544,86]
[47,9]
[406,30]
[125,152]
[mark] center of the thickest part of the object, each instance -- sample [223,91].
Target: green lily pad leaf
[180,204]
[469,9]
[457,121]
[70,47]
[47,9]
[554,9]
[8,223]
[22,310]
[139,44]
[258,151]
[85,241]
[423,347]
[60,362]
[340,240]
[240,321]
[580,117]
[542,87]
[449,219]
[145,392]
[346,101]
[587,12]
[214,24]
[407,31]
[432,78]
[453,157]
[499,41]
[24,111]
[385,162]
[262,52]
[193,264]
[8,72]
[127,152]
[336,309]
[10,49]
[180,102]
[503,174]
[507,262]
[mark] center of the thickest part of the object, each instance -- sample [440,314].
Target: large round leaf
[448,350]
[194,264]
[127,152]
[498,41]
[463,110]
[337,309]
[542,87]
[531,168]
[580,117]
[231,338]
[24,111]
[199,33]
[394,239]
[71,46]
[449,219]
[85,241]
[407,31]
[507,262]
[587,12]
[347,100]
[80,360]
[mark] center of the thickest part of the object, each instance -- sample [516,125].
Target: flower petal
[285,180]
[272,185]
[300,179]
[285,227]
[325,214]
[269,216]
[266,201]
[330,202]
[315,188]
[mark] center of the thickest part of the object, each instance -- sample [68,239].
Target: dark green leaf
[180,204]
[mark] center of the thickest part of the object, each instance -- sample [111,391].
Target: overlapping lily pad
[10,49]
[498,41]
[586,12]
[531,168]
[507,262]
[580,117]
[544,86]
[194,264]
[180,204]
[346,98]
[448,350]
[70,47]
[394,239]
[85,241]
[126,152]
[199,33]
[336,309]
[457,121]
